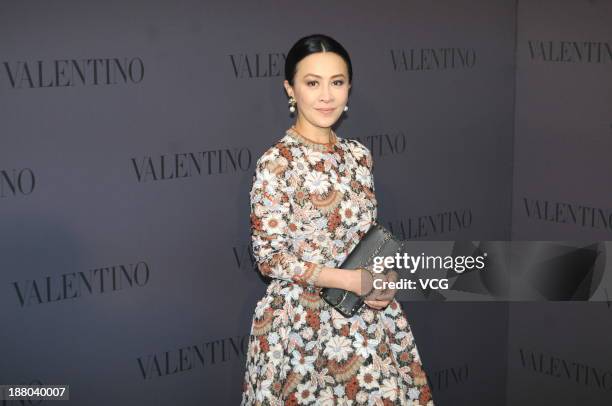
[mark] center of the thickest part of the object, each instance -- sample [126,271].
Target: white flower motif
[273,223]
[292,292]
[273,338]
[299,165]
[326,397]
[338,348]
[295,152]
[324,316]
[316,182]
[413,393]
[364,347]
[324,333]
[266,181]
[307,333]
[343,184]
[361,397]
[364,223]
[314,157]
[358,151]
[313,256]
[276,353]
[389,389]
[368,377]
[270,154]
[401,322]
[348,212]
[302,364]
[305,393]
[261,306]
[363,175]
[263,390]
[299,318]
[381,364]
[368,315]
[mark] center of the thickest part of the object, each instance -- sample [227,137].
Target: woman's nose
[326,94]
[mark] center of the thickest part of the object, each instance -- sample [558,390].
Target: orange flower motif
[383,348]
[312,318]
[333,220]
[277,386]
[255,222]
[263,344]
[351,388]
[291,400]
[285,152]
[425,395]
[418,374]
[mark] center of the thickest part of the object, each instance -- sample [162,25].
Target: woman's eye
[339,82]
[309,83]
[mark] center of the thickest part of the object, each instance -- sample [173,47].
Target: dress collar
[319,146]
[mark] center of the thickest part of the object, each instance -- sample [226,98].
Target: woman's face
[320,88]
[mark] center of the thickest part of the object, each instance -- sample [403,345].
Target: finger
[373,304]
[392,276]
[381,304]
[387,295]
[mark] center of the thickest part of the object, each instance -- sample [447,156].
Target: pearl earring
[346,108]
[292,103]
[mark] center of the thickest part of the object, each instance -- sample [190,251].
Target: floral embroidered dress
[310,205]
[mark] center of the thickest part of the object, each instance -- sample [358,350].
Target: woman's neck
[321,135]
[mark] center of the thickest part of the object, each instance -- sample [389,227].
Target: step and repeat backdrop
[129,132]
[559,353]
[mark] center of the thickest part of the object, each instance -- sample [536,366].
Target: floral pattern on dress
[310,205]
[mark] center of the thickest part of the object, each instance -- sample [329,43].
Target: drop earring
[346,108]
[292,103]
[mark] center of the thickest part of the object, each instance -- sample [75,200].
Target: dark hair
[312,44]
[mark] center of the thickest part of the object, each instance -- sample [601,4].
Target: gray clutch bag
[378,241]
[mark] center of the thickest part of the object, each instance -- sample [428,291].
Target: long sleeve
[365,173]
[271,219]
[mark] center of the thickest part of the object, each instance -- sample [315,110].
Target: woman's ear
[288,88]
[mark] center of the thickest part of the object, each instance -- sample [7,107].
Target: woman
[312,200]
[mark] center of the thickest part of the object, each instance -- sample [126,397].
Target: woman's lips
[326,111]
